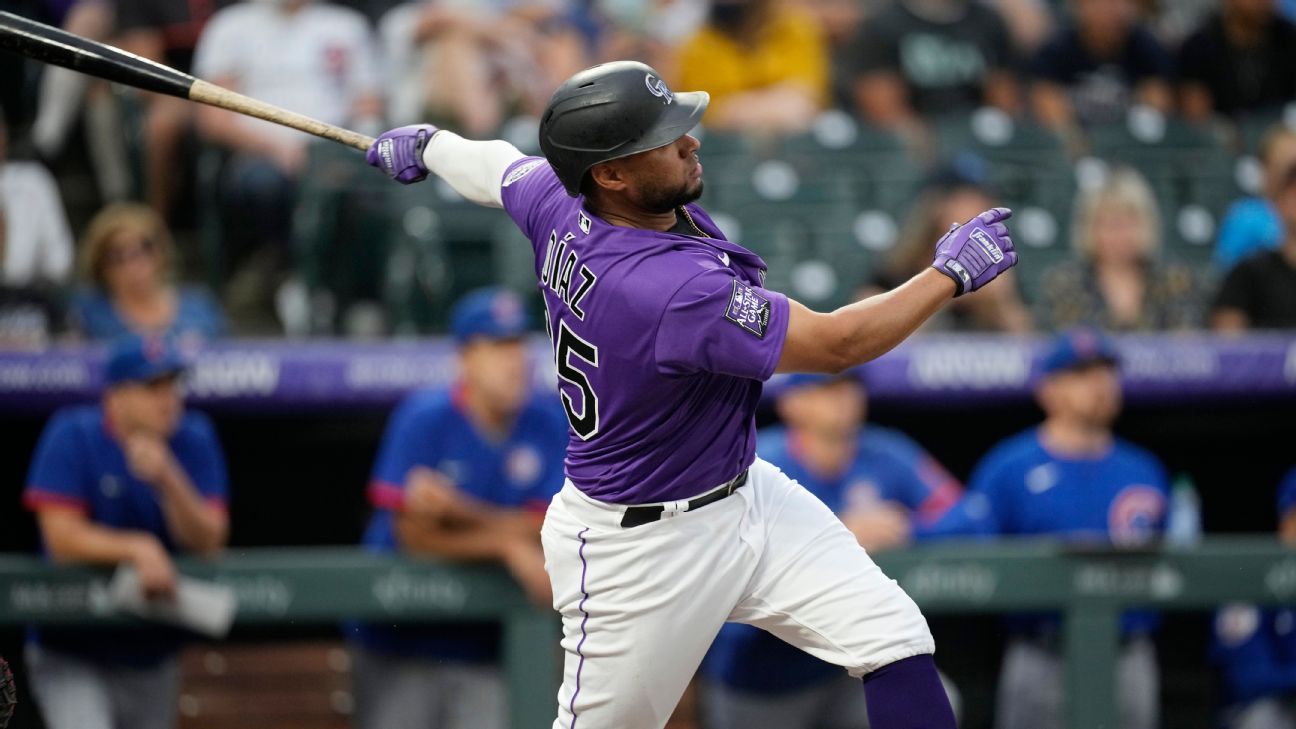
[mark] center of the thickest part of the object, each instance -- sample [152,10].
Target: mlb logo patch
[748,309]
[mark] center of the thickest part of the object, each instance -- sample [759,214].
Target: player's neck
[624,215]
[1071,437]
[489,421]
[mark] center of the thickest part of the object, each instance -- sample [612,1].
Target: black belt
[649,513]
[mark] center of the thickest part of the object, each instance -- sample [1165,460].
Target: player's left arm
[968,257]
[474,169]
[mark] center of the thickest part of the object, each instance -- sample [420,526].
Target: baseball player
[1256,648]
[130,481]
[876,480]
[1072,478]
[668,524]
[456,474]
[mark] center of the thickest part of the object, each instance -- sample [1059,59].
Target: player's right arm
[474,169]
[967,258]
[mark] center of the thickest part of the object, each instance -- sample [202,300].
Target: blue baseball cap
[1077,348]
[494,313]
[141,359]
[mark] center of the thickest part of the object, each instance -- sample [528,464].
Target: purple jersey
[661,339]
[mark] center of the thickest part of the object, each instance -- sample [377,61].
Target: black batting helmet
[609,111]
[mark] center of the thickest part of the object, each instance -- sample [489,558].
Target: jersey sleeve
[985,509]
[409,441]
[57,476]
[922,483]
[204,460]
[716,323]
[528,186]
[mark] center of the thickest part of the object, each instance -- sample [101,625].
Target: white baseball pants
[641,606]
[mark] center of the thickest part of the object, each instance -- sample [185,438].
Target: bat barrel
[60,48]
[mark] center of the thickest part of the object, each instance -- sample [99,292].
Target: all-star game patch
[521,171]
[748,309]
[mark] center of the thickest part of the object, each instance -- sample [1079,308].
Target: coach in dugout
[130,481]
[1071,478]
[881,484]
[463,474]
[1256,647]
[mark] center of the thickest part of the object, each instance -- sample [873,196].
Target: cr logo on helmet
[657,88]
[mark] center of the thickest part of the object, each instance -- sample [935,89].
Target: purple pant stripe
[581,665]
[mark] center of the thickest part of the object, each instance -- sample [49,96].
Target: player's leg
[1139,682]
[70,692]
[145,698]
[640,606]
[817,589]
[727,708]
[393,692]
[1030,687]
[475,698]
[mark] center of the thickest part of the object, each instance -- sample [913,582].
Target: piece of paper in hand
[201,606]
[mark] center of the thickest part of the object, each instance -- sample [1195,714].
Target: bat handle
[214,95]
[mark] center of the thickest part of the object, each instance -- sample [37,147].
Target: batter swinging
[669,524]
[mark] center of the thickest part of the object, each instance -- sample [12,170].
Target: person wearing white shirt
[312,57]
[37,243]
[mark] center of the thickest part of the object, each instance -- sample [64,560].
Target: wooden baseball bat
[61,48]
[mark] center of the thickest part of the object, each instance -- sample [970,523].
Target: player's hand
[399,152]
[879,526]
[977,251]
[149,458]
[430,495]
[157,573]
[525,561]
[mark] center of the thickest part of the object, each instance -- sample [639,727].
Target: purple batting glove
[399,152]
[974,253]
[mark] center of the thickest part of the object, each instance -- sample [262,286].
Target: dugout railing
[1090,586]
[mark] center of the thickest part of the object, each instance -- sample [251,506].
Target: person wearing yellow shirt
[764,64]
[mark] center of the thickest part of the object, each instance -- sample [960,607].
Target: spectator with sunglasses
[127,259]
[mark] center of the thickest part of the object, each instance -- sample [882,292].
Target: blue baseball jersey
[887,466]
[79,464]
[662,341]
[524,470]
[1020,489]
[1256,647]
[1256,651]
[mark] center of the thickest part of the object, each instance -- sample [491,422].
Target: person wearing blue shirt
[880,483]
[1071,478]
[130,481]
[1252,224]
[128,263]
[462,474]
[1256,647]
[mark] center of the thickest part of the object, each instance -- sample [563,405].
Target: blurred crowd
[195,221]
